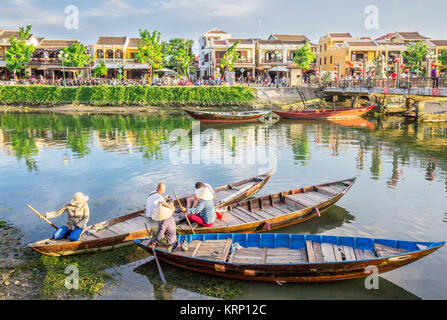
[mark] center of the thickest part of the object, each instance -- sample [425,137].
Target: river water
[117,160]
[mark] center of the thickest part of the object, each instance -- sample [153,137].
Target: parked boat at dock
[227,117]
[339,113]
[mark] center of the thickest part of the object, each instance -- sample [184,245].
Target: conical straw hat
[162,213]
[79,199]
[204,194]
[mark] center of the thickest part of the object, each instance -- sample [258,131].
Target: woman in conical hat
[78,214]
[167,232]
[205,212]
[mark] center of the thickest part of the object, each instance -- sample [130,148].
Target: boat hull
[224,118]
[291,272]
[66,248]
[328,114]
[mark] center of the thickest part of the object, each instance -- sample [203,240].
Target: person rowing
[193,201]
[205,212]
[78,214]
[166,232]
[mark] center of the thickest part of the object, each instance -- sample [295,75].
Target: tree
[443,60]
[151,49]
[180,56]
[230,57]
[304,56]
[77,55]
[100,70]
[19,53]
[414,55]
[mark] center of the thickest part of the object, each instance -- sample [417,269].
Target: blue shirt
[206,210]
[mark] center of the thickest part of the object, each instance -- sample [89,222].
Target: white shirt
[152,203]
[209,187]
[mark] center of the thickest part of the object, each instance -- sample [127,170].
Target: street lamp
[61,56]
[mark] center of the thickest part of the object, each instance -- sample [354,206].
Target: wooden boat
[276,210]
[290,257]
[120,231]
[227,117]
[340,113]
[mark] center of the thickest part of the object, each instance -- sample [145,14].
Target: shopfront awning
[2,64]
[136,66]
[279,68]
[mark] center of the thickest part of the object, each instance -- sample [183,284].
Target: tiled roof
[411,36]
[220,42]
[340,35]
[280,42]
[6,34]
[217,31]
[439,43]
[133,42]
[111,40]
[388,36]
[55,44]
[290,37]
[361,43]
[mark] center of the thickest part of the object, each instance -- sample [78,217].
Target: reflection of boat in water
[340,113]
[276,257]
[355,122]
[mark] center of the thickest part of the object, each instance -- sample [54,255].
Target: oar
[42,217]
[183,208]
[162,276]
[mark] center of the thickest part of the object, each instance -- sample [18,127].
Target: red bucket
[219,214]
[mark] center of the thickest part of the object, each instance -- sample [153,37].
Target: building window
[325,47]
[330,60]
[324,60]
[320,61]
[100,54]
[109,54]
[119,54]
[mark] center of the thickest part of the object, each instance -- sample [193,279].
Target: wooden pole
[162,276]
[42,217]
[183,208]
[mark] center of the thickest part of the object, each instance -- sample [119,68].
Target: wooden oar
[183,208]
[42,217]
[162,276]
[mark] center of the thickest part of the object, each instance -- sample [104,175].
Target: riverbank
[125,96]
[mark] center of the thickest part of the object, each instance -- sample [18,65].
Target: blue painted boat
[290,257]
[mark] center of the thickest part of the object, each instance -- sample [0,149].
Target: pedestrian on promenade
[434,76]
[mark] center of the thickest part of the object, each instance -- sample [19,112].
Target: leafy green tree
[414,55]
[180,55]
[230,57]
[19,53]
[77,55]
[151,49]
[443,60]
[304,56]
[100,70]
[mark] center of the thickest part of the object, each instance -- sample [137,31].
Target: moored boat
[274,257]
[339,113]
[227,117]
[120,231]
[276,210]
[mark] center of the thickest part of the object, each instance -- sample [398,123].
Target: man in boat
[167,231]
[192,201]
[205,212]
[78,215]
[156,198]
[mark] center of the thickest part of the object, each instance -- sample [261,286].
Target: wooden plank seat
[285,255]
[330,190]
[386,251]
[301,199]
[210,249]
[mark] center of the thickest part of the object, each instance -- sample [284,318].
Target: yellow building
[441,45]
[118,55]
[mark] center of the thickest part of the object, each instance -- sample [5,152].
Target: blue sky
[241,18]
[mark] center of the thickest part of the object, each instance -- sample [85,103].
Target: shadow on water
[331,219]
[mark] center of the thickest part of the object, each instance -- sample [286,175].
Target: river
[117,160]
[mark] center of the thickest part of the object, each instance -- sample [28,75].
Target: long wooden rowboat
[227,117]
[341,113]
[120,231]
[276,210]
[291,257]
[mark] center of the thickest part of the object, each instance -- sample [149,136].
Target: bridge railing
[420,82]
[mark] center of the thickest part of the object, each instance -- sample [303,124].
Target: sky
[56,19]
